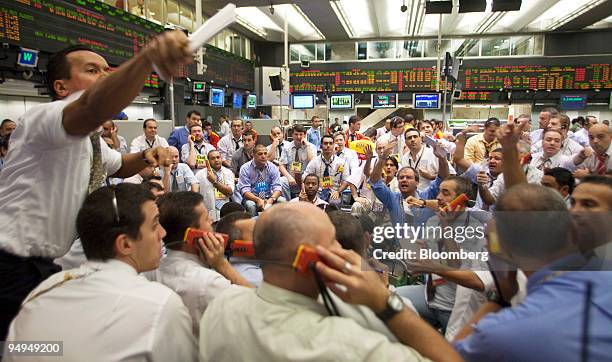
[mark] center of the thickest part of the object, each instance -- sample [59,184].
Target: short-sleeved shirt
[337,166]
[44,182]
[140,143]
[288,157]
[201,149]
[210,193]
[184,178]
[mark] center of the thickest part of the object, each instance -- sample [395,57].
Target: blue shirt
[549,324]
[393,201]
[178,138]
[184,178]
[314,136]
[247,181]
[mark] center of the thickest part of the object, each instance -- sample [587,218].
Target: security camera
[404,8]
[271,9]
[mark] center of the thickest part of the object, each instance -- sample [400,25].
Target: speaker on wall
[275,82]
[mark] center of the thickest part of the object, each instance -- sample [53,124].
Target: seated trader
[178,176]
[282,320]
[332,171]
[245,153]
[216,184]
[149,138]
[195,151]
[199,272]
[55,145]
[295,158]
[310,191]
[111,136]
[104,310]
[180,136]
[259,182]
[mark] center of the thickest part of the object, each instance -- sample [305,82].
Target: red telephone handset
[191,236]
[458,201]
[306,255]
[243,249]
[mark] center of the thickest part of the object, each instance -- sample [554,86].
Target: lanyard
[199,149]
[330,164]
[419,156]
[150,144]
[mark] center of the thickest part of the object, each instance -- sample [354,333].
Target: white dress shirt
[141,143]
[44,182]
[225,129]
[541,162]
[581,137]
[533,175]
[279,151]
[227,146]
[196,284]
[184,178]
[425,160]
[317,201]
[351,157]
[210,193]
[382,131]
[338,170]
[590,162]
[536,135]
[388,137]
[107,312]
[274,324]
[203,150]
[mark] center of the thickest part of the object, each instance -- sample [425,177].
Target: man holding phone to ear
[184,269]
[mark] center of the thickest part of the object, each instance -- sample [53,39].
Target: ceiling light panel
[301,27]
[355,17]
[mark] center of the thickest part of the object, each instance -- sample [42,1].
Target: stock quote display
[225,68]
[50,25]
[516,77]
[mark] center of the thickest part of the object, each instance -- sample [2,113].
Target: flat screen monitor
[217,97]
[384,100]
[302,101]
[199,87]
[341,101]
[251,101]
[27,58]
[426,100]
[237,100]
[573,102]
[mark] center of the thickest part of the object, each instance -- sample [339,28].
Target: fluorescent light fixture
[563,12]
[355,17]
[256,21]
[299,22]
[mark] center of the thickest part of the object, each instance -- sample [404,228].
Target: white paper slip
[210,28]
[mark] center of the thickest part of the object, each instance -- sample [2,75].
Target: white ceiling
[337,20]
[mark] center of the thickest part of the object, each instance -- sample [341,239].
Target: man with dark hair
[569,147]
[239,226]
[296,156]
[259,182]
[478,147]
[421,158]
[352,133]
[560,179]
[149,139]
[426,127]
[224,127]
[560,282]
[229,208]
[248,126]
[113,139]
[313,135]
[275,149]
[582,135]
[7,127]
[544,118]
[210,137]
[180,136]
[245,153]
[56,146]
[336,126]
[310,191]
[333,171]
[281,319]
[198,272]
[195,152]
[121,235]
[230,143]
[396,134]
[348,232]
[216,184]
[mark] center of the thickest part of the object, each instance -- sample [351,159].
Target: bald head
[599,138]
[280,230]
[174,155]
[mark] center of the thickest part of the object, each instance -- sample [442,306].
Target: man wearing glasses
[479,146]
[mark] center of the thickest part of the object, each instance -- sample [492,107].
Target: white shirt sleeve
[162,142]
[44,124]
[185,152]
[173,339]
[111,159]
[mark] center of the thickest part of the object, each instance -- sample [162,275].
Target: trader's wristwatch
[395,304]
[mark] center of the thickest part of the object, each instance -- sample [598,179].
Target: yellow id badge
[219,195]
[296,167]
[341,169]
[327,182]
[200,160]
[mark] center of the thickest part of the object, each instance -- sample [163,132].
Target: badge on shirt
[341,169]
[200,160]
[296,167]
[327,182]
[262,187]
[219,195]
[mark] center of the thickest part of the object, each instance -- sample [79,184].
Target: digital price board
[516,77]
[341,101]
[51,25]
[226,68]
[384,100]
